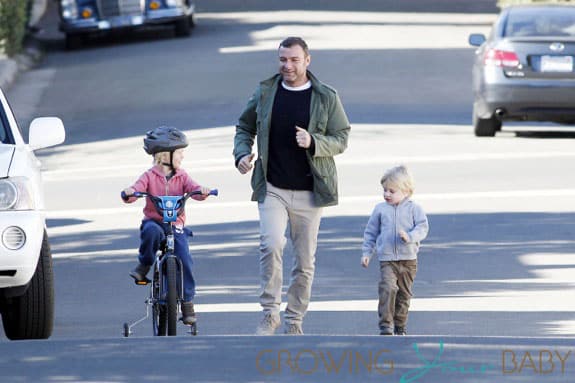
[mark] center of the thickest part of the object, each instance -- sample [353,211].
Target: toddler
[393,232]
[166,177]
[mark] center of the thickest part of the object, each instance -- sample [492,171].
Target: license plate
[556,63]
[124,21]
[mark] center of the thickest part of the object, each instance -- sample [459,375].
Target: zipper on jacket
[395,232]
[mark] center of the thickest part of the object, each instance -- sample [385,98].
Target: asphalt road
[497,263]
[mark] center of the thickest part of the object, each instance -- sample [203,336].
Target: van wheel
[74,41]
[183,27]
[31,315]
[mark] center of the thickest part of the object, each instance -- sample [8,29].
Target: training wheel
[126,330]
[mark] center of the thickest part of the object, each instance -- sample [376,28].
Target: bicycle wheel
[158,307]
[172,294]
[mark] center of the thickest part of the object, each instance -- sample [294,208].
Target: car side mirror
[45,132]
[476,39]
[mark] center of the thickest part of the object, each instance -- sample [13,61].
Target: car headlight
[174,3]
[16,194]
[69,9]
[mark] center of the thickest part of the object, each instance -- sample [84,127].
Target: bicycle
[167,284]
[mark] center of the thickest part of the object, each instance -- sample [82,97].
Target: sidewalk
[10,67]
[279,359]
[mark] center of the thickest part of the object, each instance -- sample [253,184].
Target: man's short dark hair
[291,41]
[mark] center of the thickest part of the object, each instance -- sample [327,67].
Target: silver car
[524,70]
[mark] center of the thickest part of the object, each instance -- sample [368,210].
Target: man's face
[293,65]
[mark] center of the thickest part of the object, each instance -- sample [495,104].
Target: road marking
[132,252]
[358,30]
[513,301]
[77,213]
[225,165]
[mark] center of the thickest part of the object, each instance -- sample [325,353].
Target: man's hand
[245,164]
[302,137]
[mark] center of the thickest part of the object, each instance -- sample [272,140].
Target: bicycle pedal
[142,282]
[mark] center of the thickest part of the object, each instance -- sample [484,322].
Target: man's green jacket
[328,126]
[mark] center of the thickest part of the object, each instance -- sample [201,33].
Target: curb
[11,67]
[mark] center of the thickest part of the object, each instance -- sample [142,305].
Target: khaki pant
[395,292]
[298,208]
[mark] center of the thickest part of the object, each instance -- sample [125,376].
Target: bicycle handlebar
[124,196]
[170,207]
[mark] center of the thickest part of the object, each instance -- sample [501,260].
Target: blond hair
[400,177]
[159,157]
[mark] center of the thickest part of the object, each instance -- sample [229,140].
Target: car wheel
[31,315]
[183,28]
[485,127]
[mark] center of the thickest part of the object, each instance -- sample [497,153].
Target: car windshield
[5,137]
[540,21]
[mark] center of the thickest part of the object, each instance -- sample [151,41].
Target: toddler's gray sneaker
[385,331]
[400,331]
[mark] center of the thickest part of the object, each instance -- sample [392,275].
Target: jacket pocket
[408,249]
[319,126]
[258,178]
[325,176]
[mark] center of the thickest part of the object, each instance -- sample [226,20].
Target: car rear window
[540,21]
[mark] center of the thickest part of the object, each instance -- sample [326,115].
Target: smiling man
[300,125]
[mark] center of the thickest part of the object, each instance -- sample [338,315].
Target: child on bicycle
[393,232]
[166,177]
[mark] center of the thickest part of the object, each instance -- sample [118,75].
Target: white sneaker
[268,324]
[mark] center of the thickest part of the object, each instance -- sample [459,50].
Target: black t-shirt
[288,166]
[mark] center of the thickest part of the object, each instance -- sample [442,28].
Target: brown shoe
[188,313]
[139,273]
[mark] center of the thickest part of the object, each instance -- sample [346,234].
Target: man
[300,125]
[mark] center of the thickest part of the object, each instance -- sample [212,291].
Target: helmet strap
[171,164]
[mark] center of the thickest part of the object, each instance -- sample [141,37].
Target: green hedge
[13,20]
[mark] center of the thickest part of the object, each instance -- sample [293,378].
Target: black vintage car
[79,18]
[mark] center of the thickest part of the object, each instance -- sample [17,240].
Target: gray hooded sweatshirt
[381,234]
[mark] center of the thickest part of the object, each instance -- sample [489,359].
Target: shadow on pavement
[480,255]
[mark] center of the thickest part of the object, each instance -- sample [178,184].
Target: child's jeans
[152,234]
[395,292]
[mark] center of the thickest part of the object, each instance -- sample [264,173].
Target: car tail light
[495,57]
